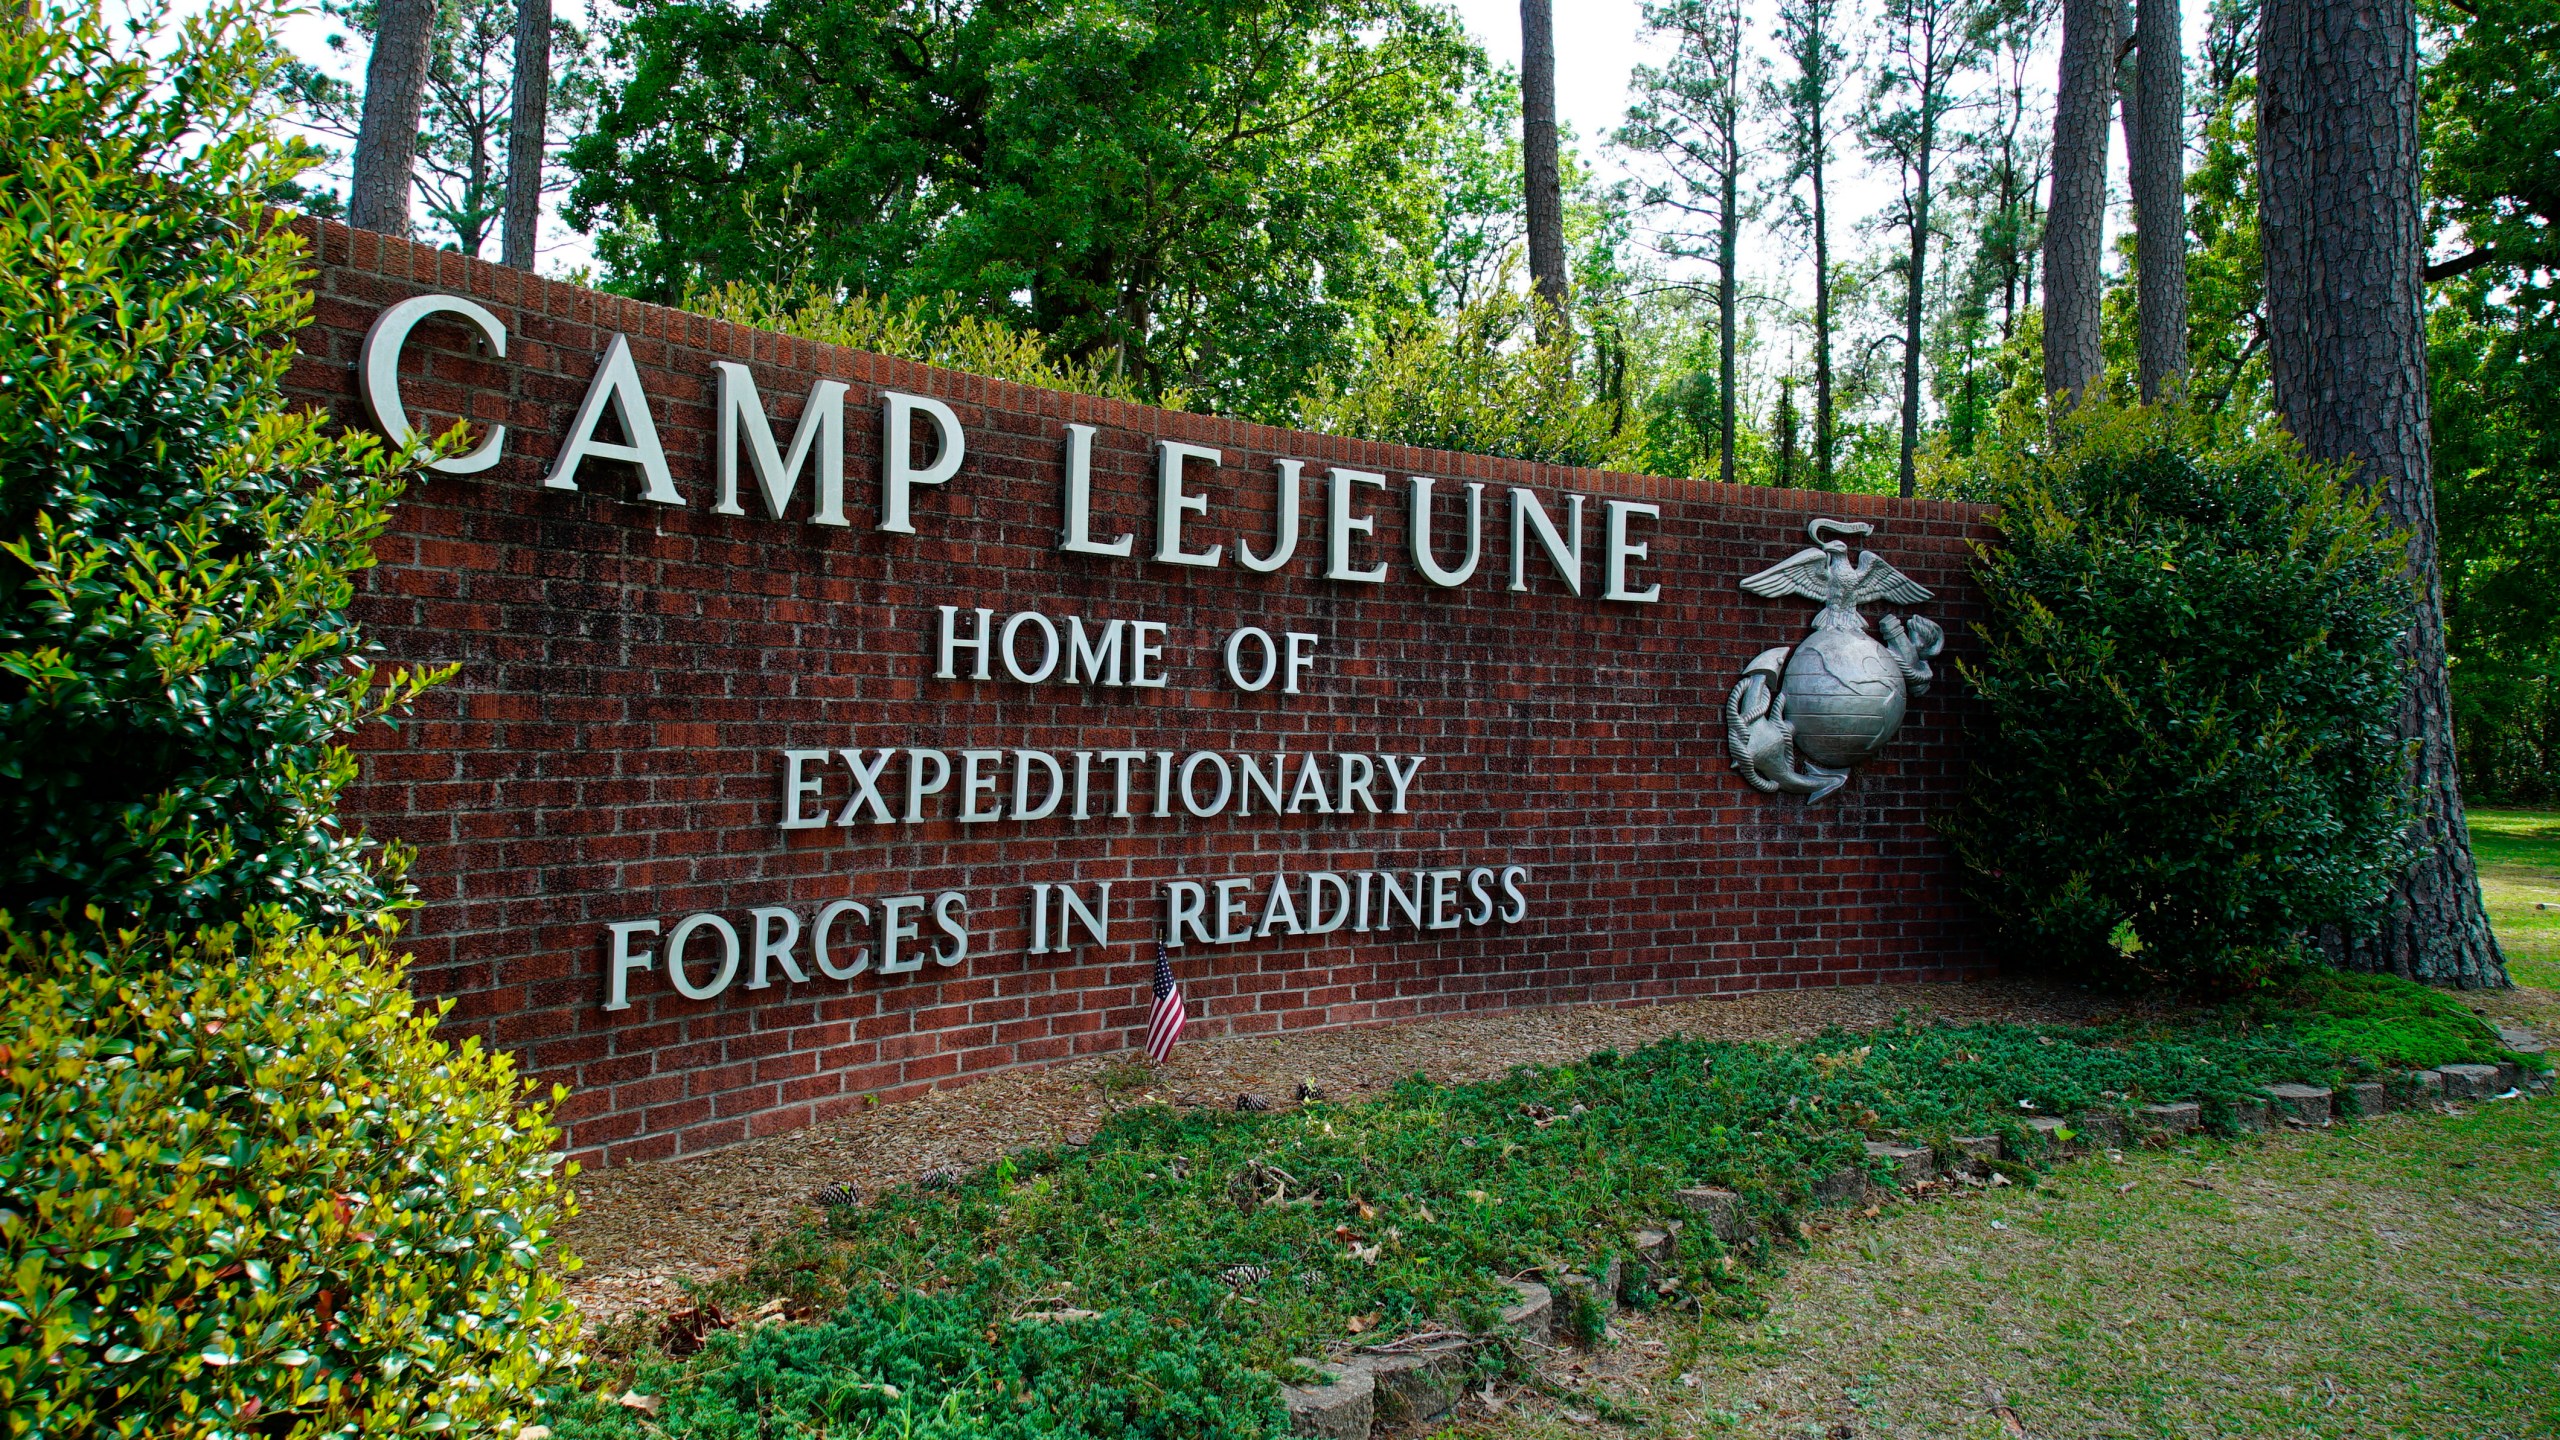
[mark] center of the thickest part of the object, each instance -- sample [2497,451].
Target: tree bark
[1915,291]
[1729,247]
[528,133]
[2075,221]
[2158,160]
[2345,247]
[395,88]
[1539,164]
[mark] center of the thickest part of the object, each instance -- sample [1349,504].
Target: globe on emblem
[1799,720]
[1845,695]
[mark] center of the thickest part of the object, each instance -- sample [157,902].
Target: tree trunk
[395,88]
[2157,155]
[1539,164]
[1914,292]
[528,132]
[2345,247]
[2075,222]
[1728,284]
[1822,419]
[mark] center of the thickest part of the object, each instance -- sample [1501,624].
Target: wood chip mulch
[645,1230]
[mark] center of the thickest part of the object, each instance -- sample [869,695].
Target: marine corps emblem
[1802,716]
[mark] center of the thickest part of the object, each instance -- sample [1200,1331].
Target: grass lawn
[2519,854]
[2392,1279]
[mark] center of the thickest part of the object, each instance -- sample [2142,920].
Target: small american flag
[1164,1024]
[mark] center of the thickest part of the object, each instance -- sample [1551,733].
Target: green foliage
[950,1365]
[175,549]
[2493,135]
[1392,1216]
[1199,194]
[1475,381]
[2493,360]
[932,332]
[2189,756]
[2226,274]
[244,1190]
[468,105]
[2378,1020]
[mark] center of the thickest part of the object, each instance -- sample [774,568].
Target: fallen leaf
[645,1404]
[1362,1324]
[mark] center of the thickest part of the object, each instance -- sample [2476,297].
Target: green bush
[245,1191]
[1475,381]
[176,667]
[2189,755]
[942,332]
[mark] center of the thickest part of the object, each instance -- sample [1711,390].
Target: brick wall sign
[831,726]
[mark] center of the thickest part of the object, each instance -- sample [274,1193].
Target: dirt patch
[648,1228]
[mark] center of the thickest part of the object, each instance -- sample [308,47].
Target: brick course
[629,673]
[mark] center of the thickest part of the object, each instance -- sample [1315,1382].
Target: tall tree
[1928,45]
[1806,100]
[2075,220]
[395,84]
[1540,167]
[528,132]
[2340,220]
[2226,275]
[2156,150]
[1688,118]
[1204,195]
[467,158]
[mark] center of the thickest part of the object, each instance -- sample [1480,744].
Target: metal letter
[818,938]
[1076,536]
[743,425]
[898,473]
[1285,525]
[621,960]
[378,375]
[1616,550]
[1527,515]
[1341,525]
[772,947]
[616,386]
[728,955]
[1270,658]
[1419,534]
[1173,502]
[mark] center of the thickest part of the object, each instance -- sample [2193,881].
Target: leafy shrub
[2189,756]
[1474,381]
[175,549]
[940,332]
[244,1190]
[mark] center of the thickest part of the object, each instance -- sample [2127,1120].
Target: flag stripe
[1165,1022]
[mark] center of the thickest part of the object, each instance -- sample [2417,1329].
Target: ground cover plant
[1152,1281]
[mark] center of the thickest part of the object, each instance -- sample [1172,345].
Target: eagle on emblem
[1802,716]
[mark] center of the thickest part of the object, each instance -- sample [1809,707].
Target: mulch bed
[646,1229]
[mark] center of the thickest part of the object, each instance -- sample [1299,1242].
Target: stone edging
[1420,1378]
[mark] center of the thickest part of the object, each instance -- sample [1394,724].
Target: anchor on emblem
[1801,717]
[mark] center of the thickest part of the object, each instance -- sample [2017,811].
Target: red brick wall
[629,673]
